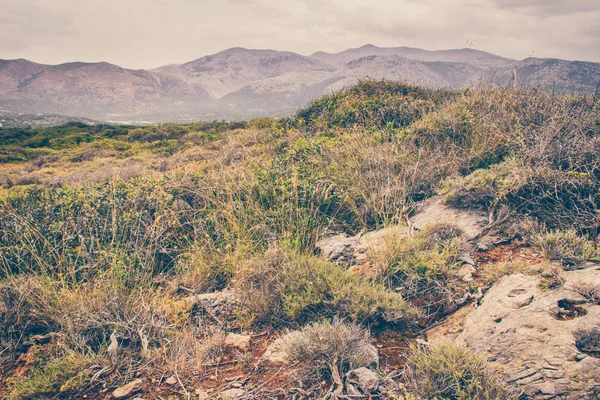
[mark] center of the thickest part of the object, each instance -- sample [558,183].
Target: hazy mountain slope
[559,74]
[14,73]
[470,56]
[233,69]
[242,83]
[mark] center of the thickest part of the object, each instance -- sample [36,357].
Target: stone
[171,380]
[275,354]
[518,326]
[232,394]
[127,390]
[202,395]
[365,379]
[354,250]
[238,342]
[465,273]
[372,356]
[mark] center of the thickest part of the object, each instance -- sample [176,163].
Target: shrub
[330,349]
[423,267]
[589,291]
[490,273]
[63,373]
[289,287]
[448,371]
[551,277]
[565,246]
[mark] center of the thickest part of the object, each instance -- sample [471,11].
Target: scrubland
[108,230]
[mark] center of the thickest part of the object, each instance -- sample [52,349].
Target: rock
[365,379]
[220,307]
[171,380]
[465,273]
[433,211]
[275,354]
[127,390]
[372,359]
[202,395]
[353,250]
[238,342]
[232,394]
[530,334]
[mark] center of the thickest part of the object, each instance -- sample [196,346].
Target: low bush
[289,287]
[448,371]
[490,273]
[565,246]
[423,268]
[327,350]
[61,373]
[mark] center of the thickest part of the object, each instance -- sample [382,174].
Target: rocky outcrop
[537,338]
[354,250]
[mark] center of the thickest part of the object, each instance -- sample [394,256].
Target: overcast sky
[150,33]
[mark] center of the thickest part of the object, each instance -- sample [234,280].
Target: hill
[240,83]
[387,240]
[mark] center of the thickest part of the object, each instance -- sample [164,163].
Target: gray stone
[232,394]
[365,379]
[531,346]
[238,342]
[128,390]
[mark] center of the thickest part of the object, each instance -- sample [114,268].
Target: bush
[549,168]
[423,268]
[492,272]
[289,287]
[61,374]
[565,246]
[330,349]
[448,371]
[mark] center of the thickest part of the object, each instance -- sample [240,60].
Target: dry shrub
[288,287]
[549,170]
[490,273]
[588,340]
[588,290]
[565,246]
[329,350]
[423,268]
[448,371]
[551,277]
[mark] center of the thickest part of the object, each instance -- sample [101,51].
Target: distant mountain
[241,83]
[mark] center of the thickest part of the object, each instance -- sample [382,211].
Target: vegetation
[449,371]
[107,230]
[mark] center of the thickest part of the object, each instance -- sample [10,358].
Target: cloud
[150,33]
[546,8]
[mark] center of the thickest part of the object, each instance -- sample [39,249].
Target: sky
[151,33]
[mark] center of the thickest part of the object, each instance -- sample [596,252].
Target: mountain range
[241,83]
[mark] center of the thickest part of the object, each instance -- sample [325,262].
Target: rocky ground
[545,342]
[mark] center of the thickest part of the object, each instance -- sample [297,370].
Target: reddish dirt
[393,348]
[513,251]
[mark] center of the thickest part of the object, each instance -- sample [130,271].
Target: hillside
[386,241]
[240,83]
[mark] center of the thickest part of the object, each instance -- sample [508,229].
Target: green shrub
[64,374]
[291,287]
[423,267]
[448,371]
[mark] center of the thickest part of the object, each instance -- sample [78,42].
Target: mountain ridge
[240,83]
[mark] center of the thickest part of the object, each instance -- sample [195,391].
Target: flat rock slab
[128,390]
[354,250]
[529,335]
